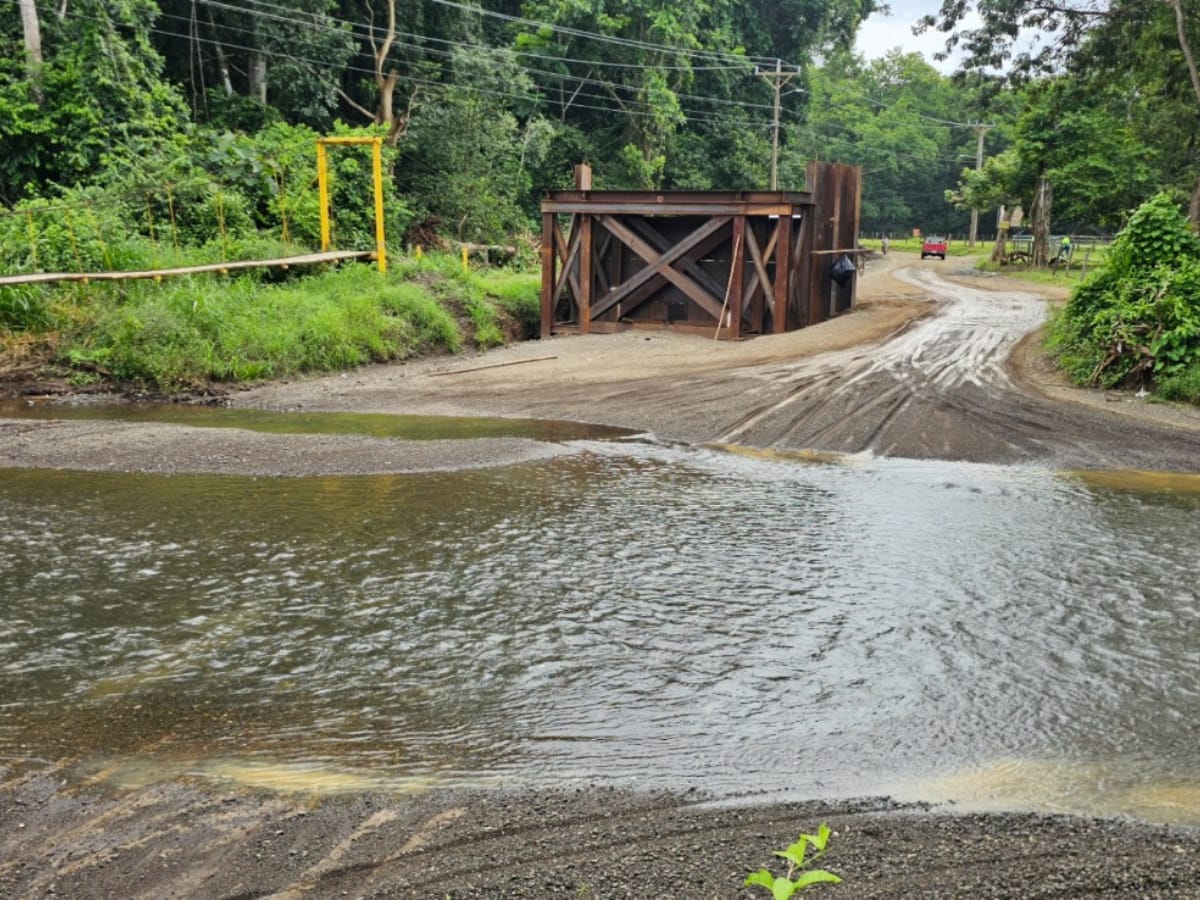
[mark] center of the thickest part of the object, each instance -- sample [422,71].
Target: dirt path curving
[932,364]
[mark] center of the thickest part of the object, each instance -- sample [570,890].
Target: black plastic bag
[843,270]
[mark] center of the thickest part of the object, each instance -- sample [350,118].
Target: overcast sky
[880,33]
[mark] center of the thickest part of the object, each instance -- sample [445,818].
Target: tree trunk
[385,83]
[1186,46]
[1001,234]
[32,30]
[258,77]
[222,62]
[1040,215]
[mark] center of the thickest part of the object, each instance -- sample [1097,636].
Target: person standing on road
[885,244]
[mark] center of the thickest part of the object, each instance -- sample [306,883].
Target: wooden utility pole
[980,131]
[777,80]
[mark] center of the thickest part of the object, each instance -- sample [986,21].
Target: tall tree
[31,29]
[1113,37]
[101,91]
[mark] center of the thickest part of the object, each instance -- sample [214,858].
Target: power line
[487,49]
[744,63]
[692,115]
[591,35]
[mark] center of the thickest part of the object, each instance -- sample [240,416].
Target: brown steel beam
[568,254]
[598,264]
[669,209]
[783,247]
[659,264]
[803,266]
[762,280]
[737,266]
[646,286]
[694,198]
[585,274]
[663,244]
[549,226]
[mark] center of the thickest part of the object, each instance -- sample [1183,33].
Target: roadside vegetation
[142,134]
[1135,321]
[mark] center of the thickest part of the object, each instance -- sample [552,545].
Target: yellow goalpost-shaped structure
[323,189]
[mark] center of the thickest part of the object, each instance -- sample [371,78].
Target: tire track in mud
[941,389]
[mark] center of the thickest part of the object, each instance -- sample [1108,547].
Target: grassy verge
[188,333]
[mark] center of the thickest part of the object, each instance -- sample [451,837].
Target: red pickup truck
[933,246]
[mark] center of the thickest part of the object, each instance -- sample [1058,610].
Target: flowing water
[634,614]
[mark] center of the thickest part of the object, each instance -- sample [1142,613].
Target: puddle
[380,425]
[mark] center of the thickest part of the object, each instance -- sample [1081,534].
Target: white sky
[879,33]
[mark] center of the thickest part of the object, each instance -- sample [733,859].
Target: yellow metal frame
[323,188]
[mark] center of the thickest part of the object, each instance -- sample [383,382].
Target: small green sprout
[783,887]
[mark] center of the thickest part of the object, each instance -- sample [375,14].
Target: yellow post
[323,193]
[420,252]
[466,268]
[377,171]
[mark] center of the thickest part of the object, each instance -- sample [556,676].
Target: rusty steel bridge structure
[725,263]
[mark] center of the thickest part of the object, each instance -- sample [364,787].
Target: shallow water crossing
[634,614]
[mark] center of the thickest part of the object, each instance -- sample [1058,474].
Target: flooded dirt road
[926,368]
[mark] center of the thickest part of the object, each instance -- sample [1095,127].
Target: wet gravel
[197,840]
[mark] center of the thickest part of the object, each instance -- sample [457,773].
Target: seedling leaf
[820,839]
[763,877]
[795,853]
[816,876]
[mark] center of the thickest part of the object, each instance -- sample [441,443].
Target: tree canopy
[490,104]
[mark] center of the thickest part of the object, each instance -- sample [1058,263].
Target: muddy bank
[182,840]
[172,449]
[936,362]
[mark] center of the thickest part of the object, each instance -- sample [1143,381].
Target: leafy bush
[25,308]
[1137,318]
[519,294]
[1184,386]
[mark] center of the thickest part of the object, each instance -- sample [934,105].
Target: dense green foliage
[1136,319]
[487,106]
[186,332]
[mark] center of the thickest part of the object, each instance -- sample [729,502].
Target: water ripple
[637,613]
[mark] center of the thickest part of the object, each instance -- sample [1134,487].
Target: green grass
[184,333]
